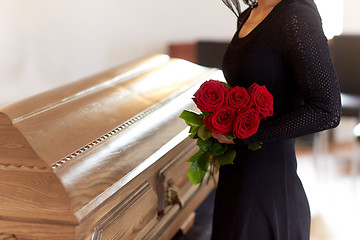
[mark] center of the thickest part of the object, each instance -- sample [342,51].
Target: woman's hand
[222,139]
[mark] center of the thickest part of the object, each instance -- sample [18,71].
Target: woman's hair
[234,5]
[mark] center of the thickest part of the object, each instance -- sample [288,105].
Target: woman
[279,44]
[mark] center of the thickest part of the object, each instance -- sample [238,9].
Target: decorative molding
[161,191]
[127,124]
[107,135]
[119,210]
[134,173]
[5,166]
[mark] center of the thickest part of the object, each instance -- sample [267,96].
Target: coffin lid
[93,132]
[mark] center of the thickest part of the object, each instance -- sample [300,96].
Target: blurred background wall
[47,43]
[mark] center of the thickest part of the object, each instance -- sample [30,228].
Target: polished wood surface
[96,159]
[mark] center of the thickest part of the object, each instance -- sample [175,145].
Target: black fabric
[260,197]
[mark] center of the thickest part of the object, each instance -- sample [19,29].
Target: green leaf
[226,85]
[204,133]
[192,118]
[193,132]
[231,154]
[204,161]
[227,158]
[195,173]
[196,156]
[204,145]
[231,137]
[255,146]
[205,114]
[217,149]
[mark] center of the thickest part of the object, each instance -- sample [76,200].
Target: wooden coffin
[104,157]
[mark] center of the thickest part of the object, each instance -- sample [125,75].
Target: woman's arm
[307,53]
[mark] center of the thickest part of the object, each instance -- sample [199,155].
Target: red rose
[246,124]
[210,96]
[262,100]
[239,98]
[220,121]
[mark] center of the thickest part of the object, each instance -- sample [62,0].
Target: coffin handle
[172,194]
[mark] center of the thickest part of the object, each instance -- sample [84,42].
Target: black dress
[260,196]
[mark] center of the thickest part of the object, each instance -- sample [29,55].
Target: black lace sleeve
[307,53]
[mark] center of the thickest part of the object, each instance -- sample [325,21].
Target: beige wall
[351,16]
[47,43]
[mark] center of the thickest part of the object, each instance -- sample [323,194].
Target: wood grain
[78,89]
[130,217]
[63,126]
[5,120]
[82,161]
[34,197]
[36,231]
[174,219]
[187,224]
[4,236]
[16,152]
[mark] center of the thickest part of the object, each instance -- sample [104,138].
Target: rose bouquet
[235,112]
